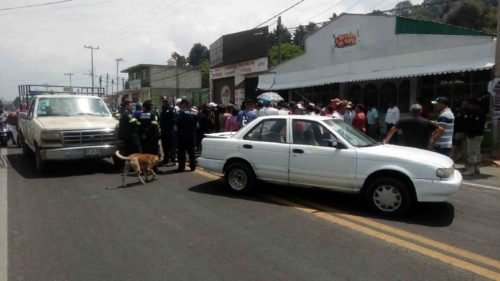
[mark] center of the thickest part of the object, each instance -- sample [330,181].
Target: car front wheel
[239,177]
[40,164]
[388,196]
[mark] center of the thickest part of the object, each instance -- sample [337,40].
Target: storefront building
[236,60]
[374,59]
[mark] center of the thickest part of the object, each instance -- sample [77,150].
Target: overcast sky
[40,44]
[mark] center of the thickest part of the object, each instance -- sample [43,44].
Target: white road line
[3,217]
[481,185]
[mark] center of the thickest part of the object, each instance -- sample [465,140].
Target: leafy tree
[288,51]
[299,36]
[301,33]
[377,13]
[205,73]
[467,14]
[198,53]
[181,60]
[403,9]
[286,36]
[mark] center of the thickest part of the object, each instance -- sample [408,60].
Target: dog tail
[117,153]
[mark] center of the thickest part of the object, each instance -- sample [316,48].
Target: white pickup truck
[67,127]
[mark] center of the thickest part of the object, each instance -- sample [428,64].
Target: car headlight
[50,137]
[445,172]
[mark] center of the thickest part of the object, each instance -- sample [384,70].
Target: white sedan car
[315,151]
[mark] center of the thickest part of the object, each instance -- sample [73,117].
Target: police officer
[186,135]
[128,129]
[168,117]
[149,129]
[474,132]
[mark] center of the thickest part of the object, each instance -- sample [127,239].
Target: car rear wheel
[239,177]
[388,196]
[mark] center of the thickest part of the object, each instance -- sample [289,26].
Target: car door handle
[247,146]
[300,151]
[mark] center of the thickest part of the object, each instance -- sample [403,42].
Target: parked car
[315,151]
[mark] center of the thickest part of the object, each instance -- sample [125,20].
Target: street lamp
[69,74]
[118,60]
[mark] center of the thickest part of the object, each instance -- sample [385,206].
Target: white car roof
[302,117]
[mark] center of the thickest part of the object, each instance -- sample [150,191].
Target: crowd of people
[182,127]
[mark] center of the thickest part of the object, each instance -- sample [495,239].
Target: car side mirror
[333,143]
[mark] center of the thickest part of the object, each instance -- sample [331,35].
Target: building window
[144,74]
[134,76]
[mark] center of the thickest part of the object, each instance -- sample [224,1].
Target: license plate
[92,152]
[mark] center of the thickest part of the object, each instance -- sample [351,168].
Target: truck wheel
[239,177]
[26,149]
[40,164]
[18,140]
[388,197]
[118,163]
[4,142]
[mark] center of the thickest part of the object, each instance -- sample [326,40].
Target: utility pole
[100,83]
[92,48]
[69,74]
[118,60]
[123,83]
[278,31]
[495,121]
[107,83]
[177,77]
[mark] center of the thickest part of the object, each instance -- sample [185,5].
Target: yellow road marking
[421,239]
[348,222]
[484,272]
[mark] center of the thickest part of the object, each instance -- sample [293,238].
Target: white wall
[376,38]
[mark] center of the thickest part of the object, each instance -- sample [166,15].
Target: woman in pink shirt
[359,120]
[231,122]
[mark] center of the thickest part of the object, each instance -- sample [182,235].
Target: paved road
[75,224]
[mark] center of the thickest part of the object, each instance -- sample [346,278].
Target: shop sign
[345,40]
[243,68]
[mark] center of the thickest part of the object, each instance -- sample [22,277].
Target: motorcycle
[4,134]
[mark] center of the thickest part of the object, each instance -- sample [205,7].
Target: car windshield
[71,107]
[350,134]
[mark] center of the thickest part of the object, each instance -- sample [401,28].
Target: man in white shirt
[391,118]
[267,110]
[340,111]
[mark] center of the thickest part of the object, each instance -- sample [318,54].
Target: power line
[326,10]
[35,5]
[420,6]
[277,15]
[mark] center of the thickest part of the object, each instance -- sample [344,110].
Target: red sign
[345,40]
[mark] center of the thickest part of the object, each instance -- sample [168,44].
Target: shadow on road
[26,167]
[426,214]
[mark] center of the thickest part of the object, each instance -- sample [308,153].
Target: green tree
[288,51]
[181,60]
[198,53]
[286,36]
[403,9]
[205,73]
[299,36]
[467,14]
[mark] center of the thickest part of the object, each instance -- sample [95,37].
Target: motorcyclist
[3,114]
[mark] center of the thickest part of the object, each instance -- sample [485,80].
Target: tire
[4,142]
[19,141]
[239,178]
[40,164]
[27,152]
[388,197]
[118,163]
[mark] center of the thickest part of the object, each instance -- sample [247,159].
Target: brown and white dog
[139,162]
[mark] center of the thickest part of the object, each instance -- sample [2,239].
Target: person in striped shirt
[446,120]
